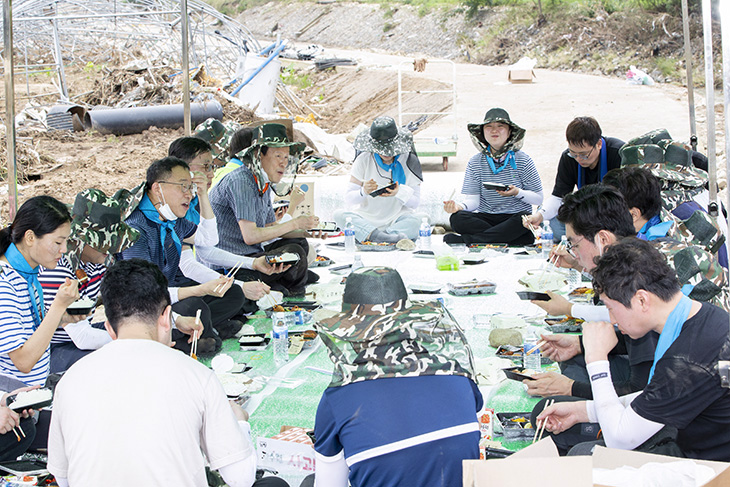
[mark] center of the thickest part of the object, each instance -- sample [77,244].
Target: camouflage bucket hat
[476,131]
[272,135]
[98,221]
[380,334]
[384,138]
[218,134]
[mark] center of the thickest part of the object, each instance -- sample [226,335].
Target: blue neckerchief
[193,214]
[149,211]
[603,165]
[236,161]
[509,161]
[396,169]
[654,229]
[671,330]
[18,262]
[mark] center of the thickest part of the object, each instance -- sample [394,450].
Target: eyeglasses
[191,188]
[582,157]
[207,167]
[572,246]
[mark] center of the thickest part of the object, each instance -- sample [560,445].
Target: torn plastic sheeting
[123,121]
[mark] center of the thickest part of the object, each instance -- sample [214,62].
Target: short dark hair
[639,187]
[42,214]
[134,288]
[594,208]
[241,139]
[632,264]
[188,148]
[583,131]
[162,168]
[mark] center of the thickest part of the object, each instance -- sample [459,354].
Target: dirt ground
[63,164]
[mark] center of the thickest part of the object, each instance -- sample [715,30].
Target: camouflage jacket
[697,268]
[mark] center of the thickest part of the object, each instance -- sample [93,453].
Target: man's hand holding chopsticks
[562,415]
[560,347]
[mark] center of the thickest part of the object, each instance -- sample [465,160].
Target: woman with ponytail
[37,237]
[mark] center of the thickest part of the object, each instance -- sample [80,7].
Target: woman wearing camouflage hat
[387,159]
[494,215]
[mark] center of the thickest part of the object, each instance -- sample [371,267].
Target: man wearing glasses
[587,159]
[160,218]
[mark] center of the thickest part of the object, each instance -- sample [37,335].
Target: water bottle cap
[424,220]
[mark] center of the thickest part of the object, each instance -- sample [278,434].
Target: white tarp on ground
[333,145]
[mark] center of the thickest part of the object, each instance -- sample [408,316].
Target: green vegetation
[292,77]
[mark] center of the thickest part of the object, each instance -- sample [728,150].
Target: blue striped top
[51,280]
[16,326]
[525,177]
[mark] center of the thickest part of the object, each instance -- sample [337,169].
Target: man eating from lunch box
[246,220]
[135,412]
[684,410]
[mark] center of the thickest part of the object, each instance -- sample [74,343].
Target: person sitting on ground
[400,409]
[587,159]
[595,218]
[36,237]
[198,264]
[218,134]
[243,208]
[486,215]
[386,158]
[163,413]
[240,141]
[685,398]
[160,220]
[97,233]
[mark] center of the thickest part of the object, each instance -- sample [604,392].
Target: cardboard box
[540,464]
[521,75]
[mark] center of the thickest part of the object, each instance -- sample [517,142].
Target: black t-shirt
[567,177]
[686,392]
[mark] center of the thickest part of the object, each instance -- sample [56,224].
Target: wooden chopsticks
[541,424]
[536,347]
[525,219]
[194,345]
[230,274]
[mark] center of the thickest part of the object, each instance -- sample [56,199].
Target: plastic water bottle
[546,240]
[531,361]
[280,336]
[349,236]
[424,235]
[356,264]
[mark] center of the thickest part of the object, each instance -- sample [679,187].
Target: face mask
[165,209]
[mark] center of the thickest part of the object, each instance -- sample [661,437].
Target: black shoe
[453,238]
[312,277]
[228,329]
[280,288]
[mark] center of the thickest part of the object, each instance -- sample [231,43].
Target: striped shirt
[51,280]
[236,198]
[525,177]
[16,326]
[364,424]
[149,246]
